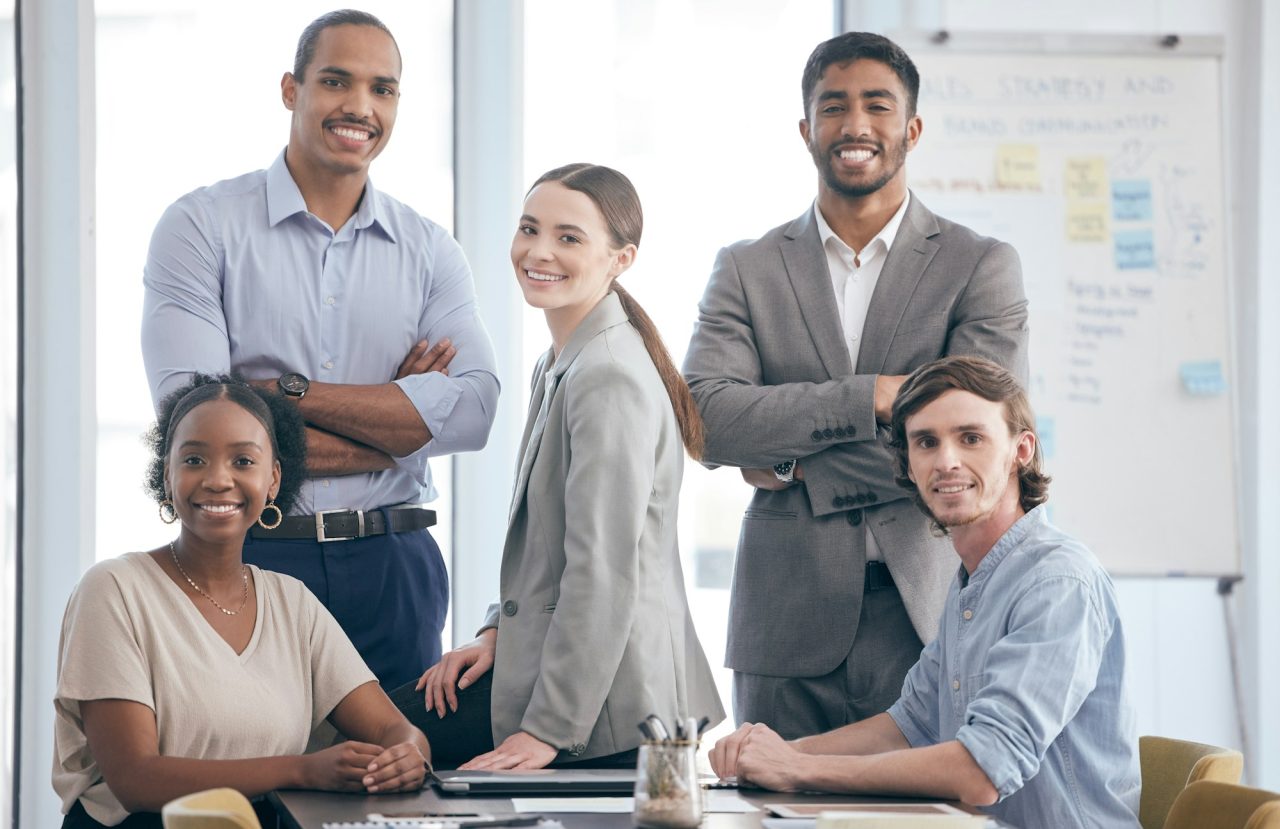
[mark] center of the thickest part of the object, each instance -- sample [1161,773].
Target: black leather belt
[346,524]
[878,576]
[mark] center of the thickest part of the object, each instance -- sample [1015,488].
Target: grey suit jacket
[771,374]
[594,630]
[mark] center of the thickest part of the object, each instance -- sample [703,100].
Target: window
[697,102]
[9,357]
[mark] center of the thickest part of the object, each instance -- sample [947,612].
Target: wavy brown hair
[988,381]
[619,204]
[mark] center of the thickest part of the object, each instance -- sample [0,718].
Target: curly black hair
[278,416]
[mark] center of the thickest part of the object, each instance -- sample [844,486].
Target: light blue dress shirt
[1027,673]
[241,276]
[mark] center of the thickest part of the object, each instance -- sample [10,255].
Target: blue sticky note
[1131,200]
[1203,378]
[1045,434]
[1135,249]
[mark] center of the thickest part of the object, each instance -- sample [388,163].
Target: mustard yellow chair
[1209,804]
[212,809]
[1169,766]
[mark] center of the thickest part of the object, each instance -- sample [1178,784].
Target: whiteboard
[1105,171]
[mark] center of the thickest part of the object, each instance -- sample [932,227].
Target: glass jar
[668,795]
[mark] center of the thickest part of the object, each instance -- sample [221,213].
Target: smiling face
[563,255]
[344,106]
[965,463]
[858,130]
[220,471]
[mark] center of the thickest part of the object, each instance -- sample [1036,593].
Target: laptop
[546,782]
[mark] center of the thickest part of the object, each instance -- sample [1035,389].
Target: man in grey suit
[803,338]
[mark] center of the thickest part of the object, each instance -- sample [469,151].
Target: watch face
[294,384]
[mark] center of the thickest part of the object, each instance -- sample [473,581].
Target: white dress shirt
[853,278]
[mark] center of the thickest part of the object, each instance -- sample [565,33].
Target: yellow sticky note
[1085,178]
[1087,221]
[1018,166]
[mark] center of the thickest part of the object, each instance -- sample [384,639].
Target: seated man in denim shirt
[1019,704]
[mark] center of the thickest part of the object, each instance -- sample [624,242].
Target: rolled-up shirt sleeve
[1036,678]
[458,407]
[916,711]
[184,329]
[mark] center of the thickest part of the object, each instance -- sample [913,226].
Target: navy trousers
[388,592]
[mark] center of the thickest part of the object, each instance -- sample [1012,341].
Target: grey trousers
[866,683]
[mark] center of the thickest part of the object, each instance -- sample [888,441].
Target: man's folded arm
[750,424]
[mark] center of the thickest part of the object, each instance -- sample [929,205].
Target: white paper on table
[599,805]
[718,801]
[789,823]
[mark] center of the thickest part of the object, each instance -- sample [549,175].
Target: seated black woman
[182,668]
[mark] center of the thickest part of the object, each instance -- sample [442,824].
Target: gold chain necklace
[244,574]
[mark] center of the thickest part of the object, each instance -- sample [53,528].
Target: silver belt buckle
[321,537]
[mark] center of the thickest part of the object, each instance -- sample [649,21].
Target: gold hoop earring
[279,516]
[168,513]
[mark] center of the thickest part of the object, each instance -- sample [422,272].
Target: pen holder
[668,795]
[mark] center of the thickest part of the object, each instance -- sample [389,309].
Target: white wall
[1177,630]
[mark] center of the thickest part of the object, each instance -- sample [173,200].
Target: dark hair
[284,427]
[988,381]
[341,17]
[619,204]
[852,46]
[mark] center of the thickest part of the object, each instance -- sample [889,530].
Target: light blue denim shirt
[1027,673]
[241,276]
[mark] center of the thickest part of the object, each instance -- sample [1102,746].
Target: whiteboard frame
[942,41]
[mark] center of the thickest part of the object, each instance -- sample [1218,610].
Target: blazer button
[850,431]
[828,434]
[837,502]
[839,431]
[871,497]
[854,517]
[509,607]
[817,434]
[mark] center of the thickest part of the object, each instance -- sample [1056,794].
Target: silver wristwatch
[785,471]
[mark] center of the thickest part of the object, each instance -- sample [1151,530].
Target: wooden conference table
[311,810]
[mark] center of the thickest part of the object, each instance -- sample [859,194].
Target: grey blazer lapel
[912,251]
[539,404]
[806,265]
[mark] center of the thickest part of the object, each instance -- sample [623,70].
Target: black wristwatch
[293,384]
[785,471]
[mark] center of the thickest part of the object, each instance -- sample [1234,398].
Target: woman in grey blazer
[592,632]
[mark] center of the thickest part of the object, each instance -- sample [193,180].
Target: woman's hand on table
[519,751]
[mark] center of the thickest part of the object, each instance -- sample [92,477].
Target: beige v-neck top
[131,633]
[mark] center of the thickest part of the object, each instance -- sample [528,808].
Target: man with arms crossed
[802,340]
[305,278]
[1019,703]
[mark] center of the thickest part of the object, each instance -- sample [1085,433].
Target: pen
[659,730]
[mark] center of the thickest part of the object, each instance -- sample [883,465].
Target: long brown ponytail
[619,204]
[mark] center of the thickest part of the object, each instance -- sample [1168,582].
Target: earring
[271,504]
[168,514]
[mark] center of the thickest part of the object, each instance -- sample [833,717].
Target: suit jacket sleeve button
[837,502]
[839,431]
[854,517]
[850,431]
[828,434]
[509,607]
[817,434]
[871,497]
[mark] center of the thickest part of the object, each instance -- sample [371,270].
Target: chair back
[1169,766]
[1267,816]
[211,809]
[1223,806]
